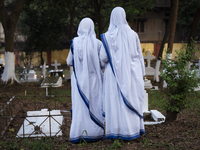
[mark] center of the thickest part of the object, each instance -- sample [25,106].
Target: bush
[180,80]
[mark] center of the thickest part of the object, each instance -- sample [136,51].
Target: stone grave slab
[32,77]
[37,123]
[52,81]
[157,116]
[147,84]
[57,72]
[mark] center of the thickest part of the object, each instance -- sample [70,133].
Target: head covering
[126,59]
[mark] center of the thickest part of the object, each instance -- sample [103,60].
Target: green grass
[157,100]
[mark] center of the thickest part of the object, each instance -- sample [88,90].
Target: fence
[14,114]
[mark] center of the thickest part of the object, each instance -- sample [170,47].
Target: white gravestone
[33,119]
[157,72]
[32,77]
[149,70]
[145,103]
[56,65]
[57,84]
[147,84]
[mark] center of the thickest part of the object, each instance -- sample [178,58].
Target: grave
[24,75]
[156,115]
[56,71]
[147,84]
[41,123]
[149,70]
[52,81]
[32,77]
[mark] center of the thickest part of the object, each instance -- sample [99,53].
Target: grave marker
[56,65]
[149,57]
[32,77]
[149,70]
[157,72]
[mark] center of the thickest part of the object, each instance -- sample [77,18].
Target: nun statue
[123,88]
[86,84]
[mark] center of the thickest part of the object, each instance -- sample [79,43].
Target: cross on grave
[56,65]
[149,57]
[44,70]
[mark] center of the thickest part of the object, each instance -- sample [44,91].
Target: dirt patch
[184,133]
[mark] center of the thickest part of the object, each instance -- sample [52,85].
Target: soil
[184,133]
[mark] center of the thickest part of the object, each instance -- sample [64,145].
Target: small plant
[180,81]
[82,141]
[116,144]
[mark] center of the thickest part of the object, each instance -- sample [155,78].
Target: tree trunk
[97,7]
[167,31]
[173,25]
[8,76]
[163,42]
[171,116]
[9,23]
[72,10]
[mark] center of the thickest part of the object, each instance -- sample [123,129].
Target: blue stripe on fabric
[103,114]
[86,138]
[124,137]
[103,38]
[86,101]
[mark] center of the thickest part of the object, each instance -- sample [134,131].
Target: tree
[9,22]
[170,29]
[43,24]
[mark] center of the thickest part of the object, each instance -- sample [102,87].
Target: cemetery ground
[184,133]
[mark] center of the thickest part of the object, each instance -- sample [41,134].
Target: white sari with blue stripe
[86,82]
[123,79]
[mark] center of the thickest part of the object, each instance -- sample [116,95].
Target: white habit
[86,84]
[123,92]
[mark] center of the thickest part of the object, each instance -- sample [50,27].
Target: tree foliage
[186,13]
[43,24]
[47,24]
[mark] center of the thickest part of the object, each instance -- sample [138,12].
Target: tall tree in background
[9,22]
[43,24]
[173,16]
[170,29]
